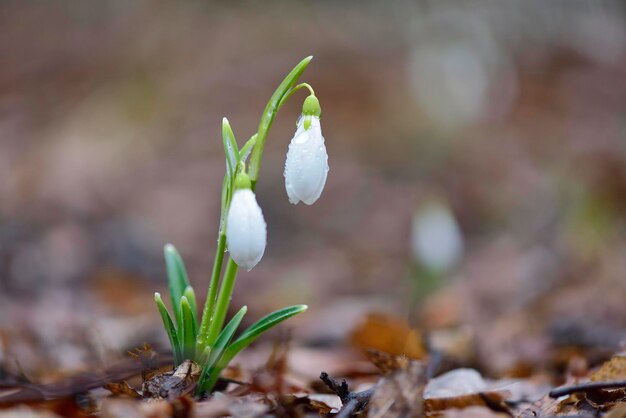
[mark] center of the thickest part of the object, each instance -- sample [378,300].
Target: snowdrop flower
[437,241]
[246,232]
[306,167]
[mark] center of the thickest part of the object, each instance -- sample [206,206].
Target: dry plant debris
[396,385]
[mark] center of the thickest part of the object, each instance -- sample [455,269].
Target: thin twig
[353,402]
[348,409]
[586,387]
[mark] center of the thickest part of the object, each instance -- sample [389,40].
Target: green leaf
[188,329]
[245,151]
[230,147]
[210,371]
[259,327]
[225,336]
[247,337]
[204,356]
[270,113]
[169,328]
[176,278]
[226,195]
[190,294]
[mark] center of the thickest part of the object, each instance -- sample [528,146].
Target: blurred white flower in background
[453,65]
[436,239]
[450,83]
[463,61]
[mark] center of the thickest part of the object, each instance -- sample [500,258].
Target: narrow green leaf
[259,327]
[176,278]
[248,336]
[204,357]
[190,294]
[226,194]
[230,147]
[225,336]
[270,113]
[245,151]
[169,328]
[210,372]
[188,329]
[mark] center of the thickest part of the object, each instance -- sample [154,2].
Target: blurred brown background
[511,115]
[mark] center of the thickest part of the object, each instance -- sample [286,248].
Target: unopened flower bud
[246,231]
[306,167]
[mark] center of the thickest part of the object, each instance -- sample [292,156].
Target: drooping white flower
[306,167]
[246,231]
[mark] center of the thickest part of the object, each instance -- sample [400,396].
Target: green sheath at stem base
[223,300]
[209,305]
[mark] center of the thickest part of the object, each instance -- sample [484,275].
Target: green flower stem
[223,300]
[209,305]
[292,91]
[268,117]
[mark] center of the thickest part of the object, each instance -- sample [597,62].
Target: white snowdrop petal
[306,167]
[246,231]
[293,199]
[320,186]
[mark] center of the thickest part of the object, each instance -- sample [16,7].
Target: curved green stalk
[292,91]
[270,113]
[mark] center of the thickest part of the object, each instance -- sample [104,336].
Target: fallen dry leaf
[605,399]
[332,401]
[125,408]
[216,406]
[249,406]
[546,406]
[492,400]
[400,394]
[617,412]
[385,362]
[295,406]
[149,359]
[472,412]
[73,385]
[389,334]
[122,389]
[174,384]
[462,388]
[614,369]
[24,411]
